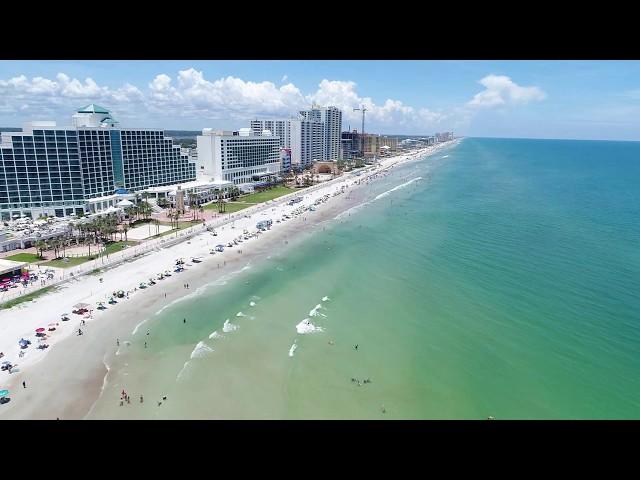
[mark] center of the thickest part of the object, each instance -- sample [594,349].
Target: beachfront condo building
[279,128]
[243,159]
[304,137]
[307,143]
[59,171]
[331,118]
[350,143]
[370,145]
[390,142]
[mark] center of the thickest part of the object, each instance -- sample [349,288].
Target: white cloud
[64,94]
[225,97]
[390,114]
[500,90]
[227,102]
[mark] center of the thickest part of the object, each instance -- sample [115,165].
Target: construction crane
[363,109]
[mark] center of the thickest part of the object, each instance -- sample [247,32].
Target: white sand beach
[64,380]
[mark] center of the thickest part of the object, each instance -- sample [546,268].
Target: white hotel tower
[242,159]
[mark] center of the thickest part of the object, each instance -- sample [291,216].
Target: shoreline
[68,384]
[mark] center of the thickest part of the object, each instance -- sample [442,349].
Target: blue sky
[534,99]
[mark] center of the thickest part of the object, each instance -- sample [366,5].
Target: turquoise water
[503,280]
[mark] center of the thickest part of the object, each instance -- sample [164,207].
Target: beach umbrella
[4,393]
[39,330]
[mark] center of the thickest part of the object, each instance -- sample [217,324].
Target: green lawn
[181,226]
[24,257]
[26,298]
[75,261]
[247,201]
[270,194]
[230,207]
[117,246]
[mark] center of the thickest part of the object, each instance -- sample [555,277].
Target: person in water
[355,346]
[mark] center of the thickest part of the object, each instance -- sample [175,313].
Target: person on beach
[24,384]
[117,342]
[141,399]
[145,344]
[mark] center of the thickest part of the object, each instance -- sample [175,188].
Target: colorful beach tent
[39,330]
[4,393]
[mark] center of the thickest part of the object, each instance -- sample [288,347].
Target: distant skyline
[514,99]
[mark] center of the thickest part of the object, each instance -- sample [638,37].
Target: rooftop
[10,265]
[93,108]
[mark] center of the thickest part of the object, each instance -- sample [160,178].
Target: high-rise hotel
[331,118]
[241,158]
[314,136]
[50,170]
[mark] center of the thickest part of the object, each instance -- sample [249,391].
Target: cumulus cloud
[230,101]
[233,97]
[391,113]
[47,95]
[500,90]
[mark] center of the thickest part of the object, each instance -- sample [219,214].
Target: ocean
[499,277]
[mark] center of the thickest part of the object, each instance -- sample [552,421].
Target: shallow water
[499,277]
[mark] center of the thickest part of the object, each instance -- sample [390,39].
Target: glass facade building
[47,170]
[149,159]
[41,169]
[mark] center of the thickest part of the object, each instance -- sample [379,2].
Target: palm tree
[145,210]
[40,246]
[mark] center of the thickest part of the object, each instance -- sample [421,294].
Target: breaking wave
[305,326]
[229,327]
[201,350]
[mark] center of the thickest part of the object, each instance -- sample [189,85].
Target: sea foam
[183,371]
[305,326]
[229,327]
[325,299]
[398,187]
[314,312]
[201,350]
[292,349]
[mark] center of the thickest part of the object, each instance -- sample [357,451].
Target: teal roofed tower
[93,108]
